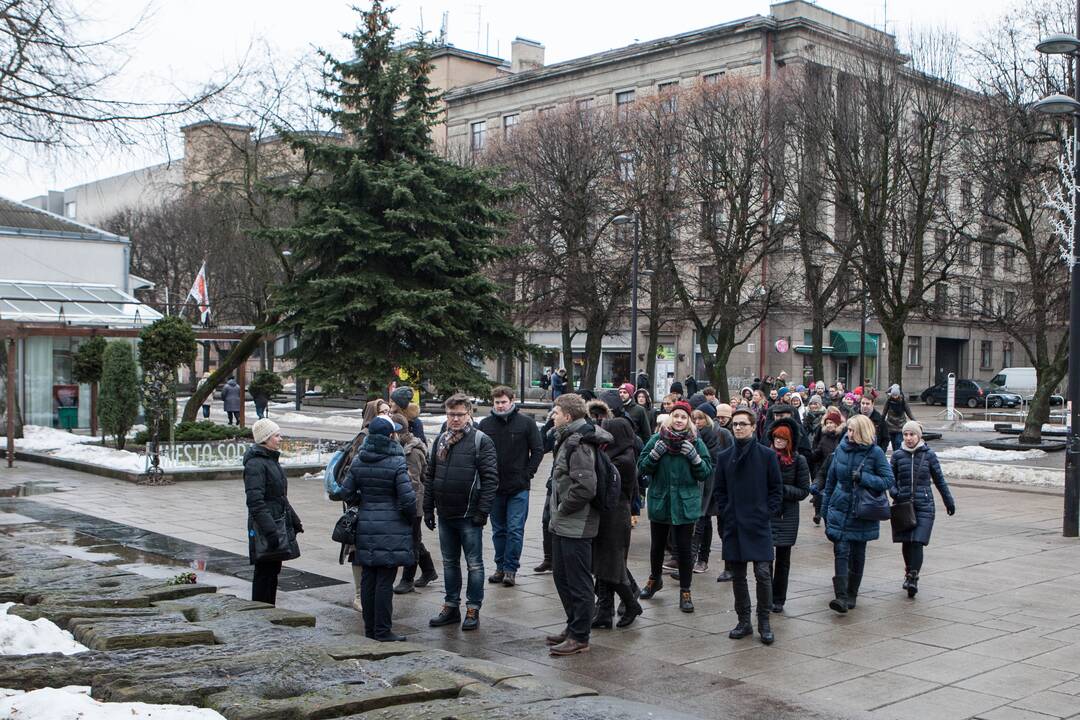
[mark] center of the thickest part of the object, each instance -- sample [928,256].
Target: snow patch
[79,553]
[74,703]
[977,452]
[36,437]
[295,418]
[1010,475]
[19,636]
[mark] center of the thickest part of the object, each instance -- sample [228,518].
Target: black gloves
[950,509]
[479,520]
[429,520]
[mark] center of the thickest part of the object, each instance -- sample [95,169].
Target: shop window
[615,368]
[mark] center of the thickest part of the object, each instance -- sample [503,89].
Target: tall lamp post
[1068,105]
[625,220]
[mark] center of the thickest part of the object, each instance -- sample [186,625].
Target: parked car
[1022,381]
[972,393]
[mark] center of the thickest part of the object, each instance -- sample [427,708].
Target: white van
[1021,380]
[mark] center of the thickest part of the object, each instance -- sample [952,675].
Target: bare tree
[733,175]
[571,266]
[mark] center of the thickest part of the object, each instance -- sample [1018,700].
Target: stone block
[138,632]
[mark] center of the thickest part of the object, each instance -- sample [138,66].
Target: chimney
[525,55]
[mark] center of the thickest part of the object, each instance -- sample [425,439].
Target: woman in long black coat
[378,484]
[612,541]
[795,473]
[915,466]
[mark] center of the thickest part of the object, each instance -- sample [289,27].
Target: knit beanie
[913,426]
[781,392]
[263,429]
[708,408]
[682,405]
[851,397]
[894,390]
[402,396]
[628,388]
[815,400]
[834,415]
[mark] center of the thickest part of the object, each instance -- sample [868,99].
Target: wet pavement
[993,633]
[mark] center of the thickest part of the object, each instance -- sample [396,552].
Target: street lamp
[624,220]
[1066,105]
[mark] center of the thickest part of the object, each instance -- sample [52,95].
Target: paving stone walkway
[994,632]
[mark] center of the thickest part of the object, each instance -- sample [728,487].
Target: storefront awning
[846,342]
[74,303]
[809,349]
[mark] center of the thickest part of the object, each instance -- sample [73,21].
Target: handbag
[286,547]
[345,527]
[868,504]
[902,512]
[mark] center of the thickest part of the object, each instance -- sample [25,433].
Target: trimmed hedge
[201,431]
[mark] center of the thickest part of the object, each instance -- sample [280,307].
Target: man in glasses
[460,481]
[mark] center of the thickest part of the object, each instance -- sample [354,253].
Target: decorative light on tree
[1062,201]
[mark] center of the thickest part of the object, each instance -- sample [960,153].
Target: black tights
[913,556]
[684,535]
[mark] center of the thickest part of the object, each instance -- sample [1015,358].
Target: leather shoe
[391,637]
[404,587]
[743,629]
[496,577]
[472,619]
[569,646]
[556,639]
[652,586]
[509,579]
[778,607]
[449,615]
[724,577]
[425,578]
[630,615]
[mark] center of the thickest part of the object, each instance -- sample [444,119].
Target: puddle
[73,551]
[31,488]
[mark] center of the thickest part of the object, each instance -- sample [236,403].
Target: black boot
[605,601]
[907,579]
[764,631]
[913,584]
[427,569]
[651,587]
[853,589]
[839,583]
[741,591]
[686,603]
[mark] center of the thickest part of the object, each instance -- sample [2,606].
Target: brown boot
[556,639]
[569,646]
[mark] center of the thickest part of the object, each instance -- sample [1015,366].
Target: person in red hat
[637,414]
[678,463]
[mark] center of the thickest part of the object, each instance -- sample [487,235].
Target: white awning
[73,303]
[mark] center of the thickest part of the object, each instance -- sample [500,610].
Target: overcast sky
[183,43]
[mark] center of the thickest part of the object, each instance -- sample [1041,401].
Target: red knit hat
[681,405]
[835,415]
[628,388]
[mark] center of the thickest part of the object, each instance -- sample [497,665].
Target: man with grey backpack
[460,481]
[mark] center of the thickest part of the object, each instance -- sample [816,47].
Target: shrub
[86,366]
[202,431]
[119,403]
[167,343]
[265,382]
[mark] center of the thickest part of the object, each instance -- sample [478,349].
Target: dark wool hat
[402,396]
[676,387]
[708,408]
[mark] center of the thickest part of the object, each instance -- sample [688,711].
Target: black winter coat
[378,484]
[518,446]
[802,440]
[881,429]
[748,494]
[464,484]
[796,480]
[824,446]
[613,538]
[922,468]
[897,412]
[715,445]
[267,490]
[640,418]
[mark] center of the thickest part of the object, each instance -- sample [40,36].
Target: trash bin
[68,417]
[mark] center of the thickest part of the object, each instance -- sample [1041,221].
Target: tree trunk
[240,353]
[718,372]
[1047,378]
[567,347]
[894,332]
[817,340]
[594,340]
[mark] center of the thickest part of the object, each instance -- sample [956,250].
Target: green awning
[809,349]
[846,342]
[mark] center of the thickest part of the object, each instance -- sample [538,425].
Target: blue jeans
[206,411]
[508,516]
[454,536]
[849,557]
[897,440]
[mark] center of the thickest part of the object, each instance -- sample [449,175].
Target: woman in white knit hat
[272,523]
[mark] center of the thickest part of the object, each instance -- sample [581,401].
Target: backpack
[608,482]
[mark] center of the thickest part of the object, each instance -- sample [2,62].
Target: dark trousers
[206,411]
[264,581]
[408,573]
[627,591]
[377,598]
[544,525]
[781,570]
[234,417]
[849,557]
[703,536]
[739,588]
[913,556]
[571,564]
[684,535]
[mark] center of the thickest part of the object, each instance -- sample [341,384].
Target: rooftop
[17,218]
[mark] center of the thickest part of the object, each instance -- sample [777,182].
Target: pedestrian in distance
[267,495]
[881,430]
[857,462]
[678,464]
[460,481]
[897,414]
[558,383]
[795,475]
[206,400]
[748,494]
[574,520]
[378,484]
[635,412]
[232,400]
[416,455]
[520,451]
[915,466]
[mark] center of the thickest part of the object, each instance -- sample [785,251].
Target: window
[625,166]
[623,101]
[70,210]
[987,309]
[941,299]
[941,238]
[967,299]
[713,221]
[477,135]
[1009,260]
[1007,354]
[987,259]
[965,194]
[914,351]
[509,123]
[965,252]
[669,92]
[708,281]
[986,354]
[1010,304]
[711,78]
[584,104]
[544,111]
[941,192]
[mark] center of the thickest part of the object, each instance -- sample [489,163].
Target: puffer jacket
[378,484]
[230,396]
[796,479]
[464,484]
[573,480]
[676,486]
[837,503]
[267,490]
[919,468]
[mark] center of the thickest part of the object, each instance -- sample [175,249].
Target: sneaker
[701,567]
[724,577]
[425,579]
[449,615]
[472,619]
[671,564]
[404,587]
[569,646]
[357,606]
[509,579]
[496,577]
[543,567]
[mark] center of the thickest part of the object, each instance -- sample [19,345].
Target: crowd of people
[748,464]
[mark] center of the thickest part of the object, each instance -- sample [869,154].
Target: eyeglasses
[457,415]
[740,424]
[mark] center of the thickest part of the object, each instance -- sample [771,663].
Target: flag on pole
[200,294]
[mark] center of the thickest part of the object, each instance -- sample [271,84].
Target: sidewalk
[994,632]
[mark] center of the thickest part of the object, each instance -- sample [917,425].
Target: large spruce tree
[394,239]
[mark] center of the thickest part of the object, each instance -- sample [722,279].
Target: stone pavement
[994,632]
